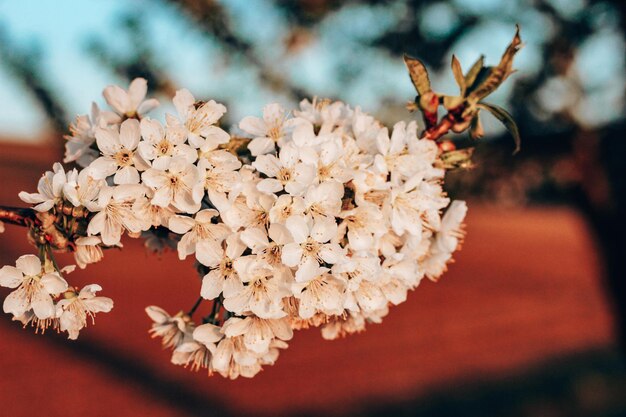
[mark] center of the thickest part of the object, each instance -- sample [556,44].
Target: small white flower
[262,293]
[119,154]
[115,213]
[78,147]
[130,103]
[171,329]
[162,142]
[194,230]
[34,287]
[269,131]
[322,294]
[74,310]
[219,171]
[311,247]
[222,277]
[450,234]
[175,181]
[198,352]
[199,122]
[323,201]
[258,333]
[82,189]
[285,207]
[88,251]
[286,172]
[49,189]
[233,359]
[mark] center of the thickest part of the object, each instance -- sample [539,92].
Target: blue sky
[61,28]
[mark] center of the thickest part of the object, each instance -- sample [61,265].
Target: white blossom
[34,287]
[269,131]
[130,103]
[74,310]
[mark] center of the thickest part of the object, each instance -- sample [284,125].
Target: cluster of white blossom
[322,218]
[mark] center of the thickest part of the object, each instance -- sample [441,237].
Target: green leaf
[418,74]
[476,127]
[507,120]
[498,74]
[458,74]
[471,75]
[457,159]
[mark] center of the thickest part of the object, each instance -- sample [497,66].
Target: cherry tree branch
[18,216]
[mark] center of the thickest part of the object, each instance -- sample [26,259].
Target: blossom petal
[30,265]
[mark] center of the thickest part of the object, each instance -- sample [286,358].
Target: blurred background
[530,321]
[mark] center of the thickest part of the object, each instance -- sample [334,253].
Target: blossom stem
[195,306]
[18,216]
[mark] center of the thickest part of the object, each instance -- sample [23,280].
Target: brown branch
[18,216]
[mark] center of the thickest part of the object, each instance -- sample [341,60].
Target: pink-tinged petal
[238,303]
[232,286]
[360,239]
[269,186]
[267,164]
[163,197]
[96,225]
[255,239]
[154,178]
[236,326]
[288,155]
[207,334]
[147,151]
[254,126]
[331,253]
[291,254]
[53,283]
[45,206]
[209,253]
[324,230]
[279,234]
[298,227]
[117,98]
[137,91]
[58,180]
[102,167]
[30,265]
[308,270]
[189,154]
[112,232]
[126,175]
[11,277]
[147,106]
[181,224]
[34,198]
[215,136]
[273,114]
[88,291]
[108,141]
[261,146]
[186,246]
[99,304]
[151,130]
[205,216]
[183,101]
[130,134]
[281,329]
[42,305]
[69,321]
[212,285]
[222,355]
[211,111]
[157,314]
[16,303]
